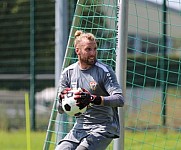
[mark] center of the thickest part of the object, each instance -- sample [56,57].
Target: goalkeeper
[99,125]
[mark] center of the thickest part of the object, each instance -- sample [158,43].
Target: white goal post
[121,62]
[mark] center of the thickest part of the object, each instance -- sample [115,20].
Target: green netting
[153,97]
[153,76]
[100,18]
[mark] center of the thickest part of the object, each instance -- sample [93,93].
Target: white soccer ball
[69,104]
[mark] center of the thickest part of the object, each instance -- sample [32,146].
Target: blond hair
[79,35]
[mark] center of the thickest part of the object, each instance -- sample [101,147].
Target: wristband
[96,100]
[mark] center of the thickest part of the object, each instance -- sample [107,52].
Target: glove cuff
[97,100]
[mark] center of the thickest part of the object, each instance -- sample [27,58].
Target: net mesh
[100,18]
[153,97]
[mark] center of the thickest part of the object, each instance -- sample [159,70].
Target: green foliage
[15,36]
[146,69]
[15,40]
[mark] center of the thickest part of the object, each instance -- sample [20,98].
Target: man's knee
[66,145]
[80,147]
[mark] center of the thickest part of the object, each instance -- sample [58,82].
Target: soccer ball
[69,104]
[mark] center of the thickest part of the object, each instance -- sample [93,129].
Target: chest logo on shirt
[93,85]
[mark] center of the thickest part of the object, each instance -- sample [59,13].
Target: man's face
[87,52]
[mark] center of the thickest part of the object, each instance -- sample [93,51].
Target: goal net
[153,97]
[100,18]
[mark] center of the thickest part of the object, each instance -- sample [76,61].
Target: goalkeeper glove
[84,98]
[61,96]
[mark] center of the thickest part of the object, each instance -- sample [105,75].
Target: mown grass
[153,140]
[16,140]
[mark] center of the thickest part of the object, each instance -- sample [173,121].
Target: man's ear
[77,51]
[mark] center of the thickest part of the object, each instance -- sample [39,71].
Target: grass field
[16,140]
[153,141]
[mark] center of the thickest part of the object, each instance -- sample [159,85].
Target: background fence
[27,41]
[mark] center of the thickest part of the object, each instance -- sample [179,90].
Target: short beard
[91,62]
[87,61]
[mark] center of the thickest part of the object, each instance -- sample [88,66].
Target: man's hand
[84,98]
[61,96]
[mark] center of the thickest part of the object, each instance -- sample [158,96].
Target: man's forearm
[116,100]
